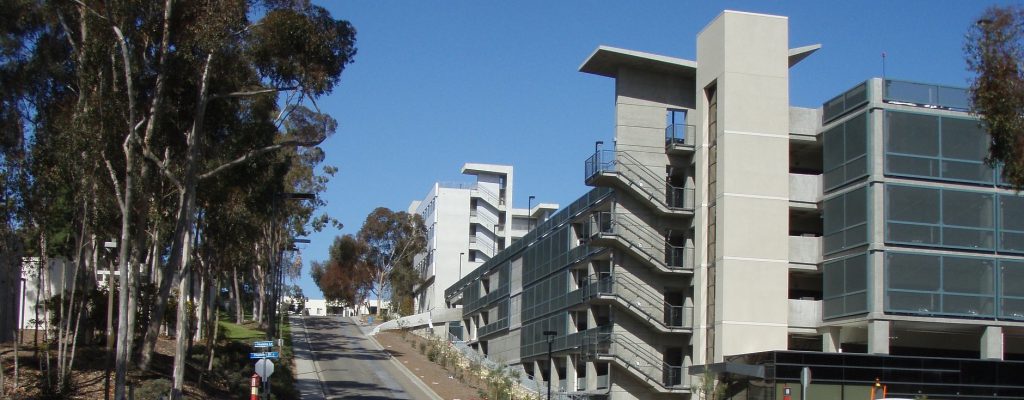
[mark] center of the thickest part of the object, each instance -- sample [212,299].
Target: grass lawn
[239,339]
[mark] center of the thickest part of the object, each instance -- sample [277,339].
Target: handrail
[485,244]
[622,226]
[490,221]
[626,166]
[611,344]
[675,197]
[490,196]
[673,316]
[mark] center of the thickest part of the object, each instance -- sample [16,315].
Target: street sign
[265,354]
[263,343]
[805,380]
[264,368]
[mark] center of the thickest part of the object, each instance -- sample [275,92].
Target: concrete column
[878,337]
[830,339]
[570,374]
[591,376]
[992,343]
[538,373]
[554,374]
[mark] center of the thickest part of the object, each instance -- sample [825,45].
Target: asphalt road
[351,366]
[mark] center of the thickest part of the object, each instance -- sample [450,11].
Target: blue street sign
[264,343]
[265,354]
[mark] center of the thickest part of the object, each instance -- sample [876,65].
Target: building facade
[730,233]
[467,224]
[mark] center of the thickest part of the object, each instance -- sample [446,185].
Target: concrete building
[467,224]
[731,234]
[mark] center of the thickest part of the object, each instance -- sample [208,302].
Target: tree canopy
[994,50]
[378,260]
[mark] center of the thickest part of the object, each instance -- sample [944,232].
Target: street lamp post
[278,276]
[494,244]
[551,338]
[529,213]
[460,265]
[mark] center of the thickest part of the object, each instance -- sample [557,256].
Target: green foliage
[283,52]
[153,389]
[995,53]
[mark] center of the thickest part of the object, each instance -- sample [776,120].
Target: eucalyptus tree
[169,94]
[393,239]
[994,50]
[346,276]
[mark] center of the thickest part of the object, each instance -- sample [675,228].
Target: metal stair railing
[488,195]
[633,358]
[642,178]
[652,246]
[487,220]
[485,244]
[640,297]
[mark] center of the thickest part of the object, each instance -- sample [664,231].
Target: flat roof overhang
[606,61]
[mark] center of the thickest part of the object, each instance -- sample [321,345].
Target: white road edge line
[401,368]
[316,364]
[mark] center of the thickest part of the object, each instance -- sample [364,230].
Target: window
[940,285]
[936,147]
[940,217]
[845,283]
[1011,223]
[845,152]
[1011,276]
[845,220]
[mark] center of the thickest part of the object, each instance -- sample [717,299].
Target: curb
[401,368]
[312,358]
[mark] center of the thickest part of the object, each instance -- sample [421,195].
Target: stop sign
[264,368]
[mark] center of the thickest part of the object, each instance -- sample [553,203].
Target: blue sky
[436,84]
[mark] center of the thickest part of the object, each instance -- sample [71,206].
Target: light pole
[551,338]
[529,213]
[275,289]
[460,265]
[494,244]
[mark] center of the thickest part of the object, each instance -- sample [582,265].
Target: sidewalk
[307,372]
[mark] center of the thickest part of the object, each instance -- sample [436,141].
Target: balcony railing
[680,135]
[643,239]
[492,327]
[640,178]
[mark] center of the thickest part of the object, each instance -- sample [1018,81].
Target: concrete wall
[746,57]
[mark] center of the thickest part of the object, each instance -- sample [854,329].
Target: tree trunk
[181,338]
[201,307]
[239,312]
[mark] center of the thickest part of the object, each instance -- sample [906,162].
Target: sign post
[805,381]
[264,367]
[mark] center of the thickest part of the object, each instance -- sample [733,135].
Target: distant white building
[32,296]
[321,307]
[467,224]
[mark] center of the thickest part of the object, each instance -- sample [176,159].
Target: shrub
[154,389]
